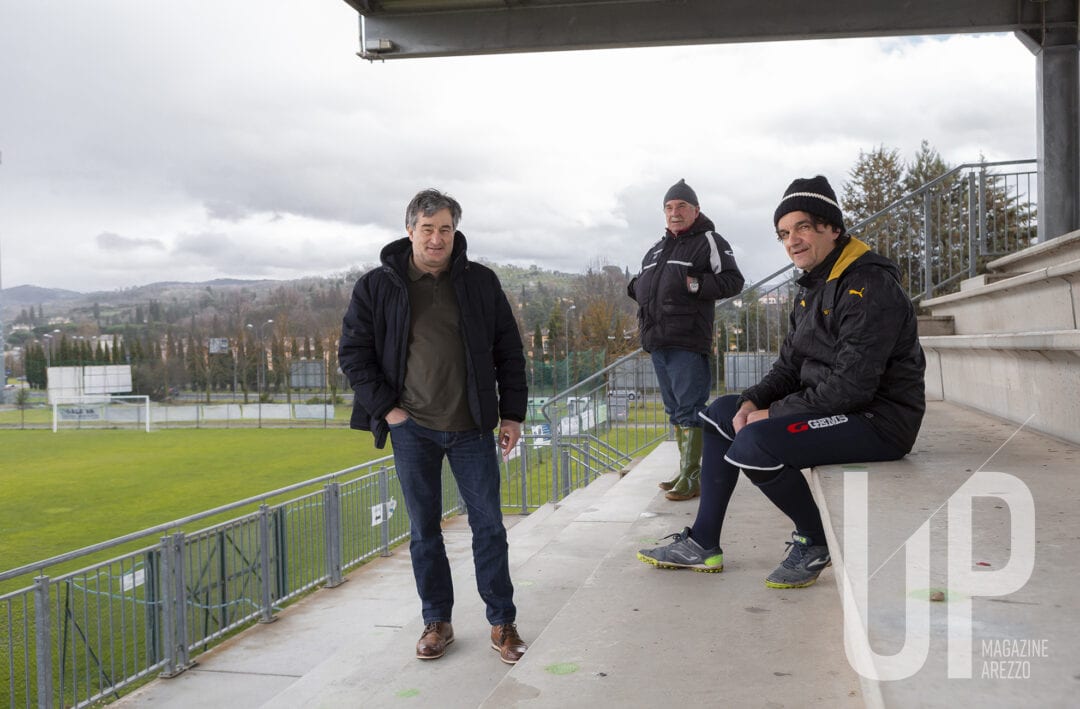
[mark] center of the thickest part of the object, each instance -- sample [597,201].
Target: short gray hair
[429,201]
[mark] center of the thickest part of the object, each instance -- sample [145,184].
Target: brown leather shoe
[506,640]
[432,644]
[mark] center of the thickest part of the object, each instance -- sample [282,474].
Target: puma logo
[857,292]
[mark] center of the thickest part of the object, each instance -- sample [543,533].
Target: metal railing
[950,227]
[79,636]
[74,637]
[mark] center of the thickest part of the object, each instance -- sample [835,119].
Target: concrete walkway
[606,630]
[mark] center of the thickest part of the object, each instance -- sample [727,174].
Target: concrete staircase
[605,629]
[608,631]
[1008,343]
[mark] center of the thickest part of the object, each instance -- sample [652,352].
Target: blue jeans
[418,456]
[685,380]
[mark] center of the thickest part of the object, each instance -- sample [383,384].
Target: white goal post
[102,410]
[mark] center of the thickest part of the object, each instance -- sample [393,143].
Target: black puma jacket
[853,348]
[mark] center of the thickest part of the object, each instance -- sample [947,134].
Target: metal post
[564,465]
[928,248]
[984,244]
[973,233]
[43,642]
[556,448]
[266,548]
[384,494]
[332,533]
[174,629]
[524,466]
[566,323]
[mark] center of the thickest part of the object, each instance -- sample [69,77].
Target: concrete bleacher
[1008,343]
[606,630]
[1042,616]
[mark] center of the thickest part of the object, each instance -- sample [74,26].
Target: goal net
[102,411]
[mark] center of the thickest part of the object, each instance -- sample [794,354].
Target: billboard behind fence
[69,383]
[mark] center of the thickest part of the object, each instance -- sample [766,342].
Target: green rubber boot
[688,485]
[670,484]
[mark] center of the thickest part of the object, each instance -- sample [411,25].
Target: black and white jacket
[669,315]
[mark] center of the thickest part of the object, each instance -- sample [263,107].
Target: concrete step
[1027,377]
[1026,639]
[932,325]
[636,636]
[1049,253]
[1044,299]
[353,645]
[985,279]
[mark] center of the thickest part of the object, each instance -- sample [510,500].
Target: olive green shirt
[436,378]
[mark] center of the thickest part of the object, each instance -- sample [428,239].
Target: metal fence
[80,636]
[950,227]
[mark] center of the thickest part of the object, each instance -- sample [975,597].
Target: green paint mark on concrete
[524,584]
[562,668]
[406,693]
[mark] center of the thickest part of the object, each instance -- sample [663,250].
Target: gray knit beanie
[681,190]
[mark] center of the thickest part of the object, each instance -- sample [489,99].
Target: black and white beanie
[812,195]
[681,190]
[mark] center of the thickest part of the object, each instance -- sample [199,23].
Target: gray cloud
[108,241]
[246,139]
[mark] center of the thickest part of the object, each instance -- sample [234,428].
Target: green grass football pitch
[64,491]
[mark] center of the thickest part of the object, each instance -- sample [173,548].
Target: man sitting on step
[847,387]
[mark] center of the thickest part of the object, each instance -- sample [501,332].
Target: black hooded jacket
[670,316]
[375,337]
[853,348]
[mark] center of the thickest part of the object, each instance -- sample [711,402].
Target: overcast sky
[149,140]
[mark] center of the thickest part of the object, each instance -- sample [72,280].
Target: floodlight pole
[566,323]
[262,361]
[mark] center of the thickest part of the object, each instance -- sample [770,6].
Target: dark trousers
[418,457]
[772,453]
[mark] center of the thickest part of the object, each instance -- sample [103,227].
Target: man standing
[682,276]
[432,351]
[847,387]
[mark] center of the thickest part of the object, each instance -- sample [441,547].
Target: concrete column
[1058,131]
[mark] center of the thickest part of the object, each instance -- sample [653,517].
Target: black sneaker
[804,563]
[684,553]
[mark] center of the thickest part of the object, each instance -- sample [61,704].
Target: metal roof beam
[422,28]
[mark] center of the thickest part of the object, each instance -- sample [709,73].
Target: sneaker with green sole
[684,553]
[804,563]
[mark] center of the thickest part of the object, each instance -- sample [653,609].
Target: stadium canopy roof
[428,28]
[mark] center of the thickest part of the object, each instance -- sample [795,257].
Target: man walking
[682,276]
[432,351]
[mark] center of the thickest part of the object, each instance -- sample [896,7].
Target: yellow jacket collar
[852,251]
